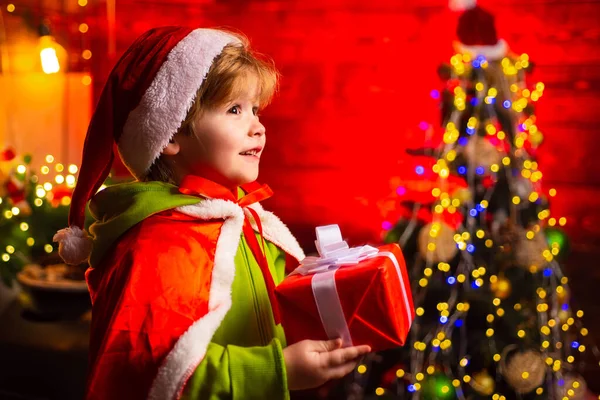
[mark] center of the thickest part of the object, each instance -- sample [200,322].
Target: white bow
[334,252]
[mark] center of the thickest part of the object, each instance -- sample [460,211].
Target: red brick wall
[356,82]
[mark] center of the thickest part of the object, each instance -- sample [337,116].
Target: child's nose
[258,129]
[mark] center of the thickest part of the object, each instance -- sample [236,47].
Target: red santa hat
[146,98]
[476,31]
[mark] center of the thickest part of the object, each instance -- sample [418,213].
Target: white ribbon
[334,254]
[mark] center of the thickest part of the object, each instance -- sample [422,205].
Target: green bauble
[557,238]
[27,159]
[438,386]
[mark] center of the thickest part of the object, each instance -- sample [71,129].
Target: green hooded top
[244,359]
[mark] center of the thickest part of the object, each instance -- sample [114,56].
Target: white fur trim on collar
[191,347]
[276,232]
[461,5]
[164,106]
[491,53]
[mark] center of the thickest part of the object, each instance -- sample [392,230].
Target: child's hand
[311,363]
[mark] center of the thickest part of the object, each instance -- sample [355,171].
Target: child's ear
[172,148]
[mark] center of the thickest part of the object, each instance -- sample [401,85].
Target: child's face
[229,142]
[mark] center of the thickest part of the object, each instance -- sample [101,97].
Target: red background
[356,79]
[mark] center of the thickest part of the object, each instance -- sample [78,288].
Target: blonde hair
[227,78]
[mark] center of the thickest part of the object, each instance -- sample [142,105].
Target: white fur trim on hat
[74,245]
[461,5]
[495,52]
[164,106]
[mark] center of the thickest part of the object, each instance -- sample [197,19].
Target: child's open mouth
[252,153]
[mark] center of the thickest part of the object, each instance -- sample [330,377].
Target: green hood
[117,208]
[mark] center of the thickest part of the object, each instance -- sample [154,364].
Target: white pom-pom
[461,5]
[74,245]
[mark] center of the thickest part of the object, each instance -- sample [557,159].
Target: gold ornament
[463,195]
[575,387]
[501,288]
[530,249]
[563,295]
[483,383]
[436,242]
[481,152]
[524,370]
[563,316]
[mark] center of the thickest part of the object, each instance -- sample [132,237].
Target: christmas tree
[493,305]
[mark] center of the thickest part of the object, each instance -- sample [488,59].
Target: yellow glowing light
[400,373]
[490,318]
[70,180]
[497,357]
[464,362]
[581,348]
[431,247]
[15,211]
[48,248]
[83,28]
[10,249]
[24,226]
[10,8]
[430,369]
[552,221]
[489,243]
[435,192]
[5,257]
[570,359]
[362,369]
[420,376]
[584,332]
[86,54]
[562,221]
[40,192]
[545,344]
[420,311]
[21,169]
[30,241]
[50,64]
[467,378]
[423,282]
[461,278]
[525,375]
[521,333]
[533,197]
[500,312]
[456,383]
[38,202]
[379,391]
[59,179]
[73,169]
[427,272]
[530,235]
[506,161]
[516,200]
[49,158]
[65,201]
[496,302]
[480,234]
[479,86]
[82,3]
[45,170]
[86,80]
[489,332]
[48,186]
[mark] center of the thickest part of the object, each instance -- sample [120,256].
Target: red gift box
[374,295]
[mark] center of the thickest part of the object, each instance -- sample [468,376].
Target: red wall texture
[356,78]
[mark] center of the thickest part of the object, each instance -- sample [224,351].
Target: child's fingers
[328,345]
[342,370]
[342,356]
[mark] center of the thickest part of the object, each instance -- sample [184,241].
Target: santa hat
[146,98]
[476,31]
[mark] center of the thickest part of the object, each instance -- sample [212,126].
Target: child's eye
[255,111]
[235,109]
